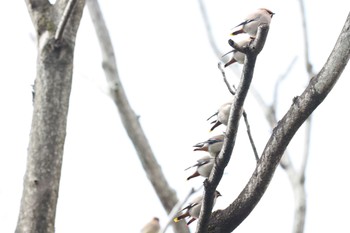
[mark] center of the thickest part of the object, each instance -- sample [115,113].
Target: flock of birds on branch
[214,144]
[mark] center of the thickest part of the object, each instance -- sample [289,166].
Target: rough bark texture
[166,194]
[51,101]
[227,220]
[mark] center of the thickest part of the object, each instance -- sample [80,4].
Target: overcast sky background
[171,78]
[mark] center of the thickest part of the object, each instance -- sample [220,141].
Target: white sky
[171,78]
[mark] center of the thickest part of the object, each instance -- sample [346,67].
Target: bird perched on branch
[204,166]
[236,55]
[253,21]
[194,208]
[151,227]
[221,115]
[213,145]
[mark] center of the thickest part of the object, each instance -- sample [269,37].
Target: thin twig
[225,79]
[280,79]
[245,116]
[306,40]
[63,22]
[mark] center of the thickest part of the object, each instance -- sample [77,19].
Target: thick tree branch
[165,193]
[40,12]
[228,219]
[236,110]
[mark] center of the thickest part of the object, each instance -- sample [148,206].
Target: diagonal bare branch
[223,158]
[308,64]
[166,194]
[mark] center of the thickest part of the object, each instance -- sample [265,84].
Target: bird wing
[232,51]
[247,21]
[200,162]
[191,205]
[213,141]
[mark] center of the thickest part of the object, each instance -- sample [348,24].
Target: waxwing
[204,166]
[253,21]
[221,115]
[213,145]
[194,208]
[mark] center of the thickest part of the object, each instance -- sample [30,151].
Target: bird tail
[182,216]
[191,220]
[193,175]
[213,115]
[216,125]
[230,62]
[237,32]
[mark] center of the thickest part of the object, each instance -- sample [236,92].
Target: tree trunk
[51,102]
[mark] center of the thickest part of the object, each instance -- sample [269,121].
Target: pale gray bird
[213,145]
[204,166]
[194,208]
[236,55]
[253,21]
[152,226]
[221,115]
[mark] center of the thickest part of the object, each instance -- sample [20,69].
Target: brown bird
[253,21]
[151,227]
[194,208]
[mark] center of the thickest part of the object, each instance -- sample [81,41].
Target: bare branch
[40,13]
[64,19]
[280,79]
[245,116]
[129,119]
[228,219]
[225,79]
[208,29]
[223,158]
[308,64]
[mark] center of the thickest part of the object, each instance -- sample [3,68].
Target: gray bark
[51,101]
